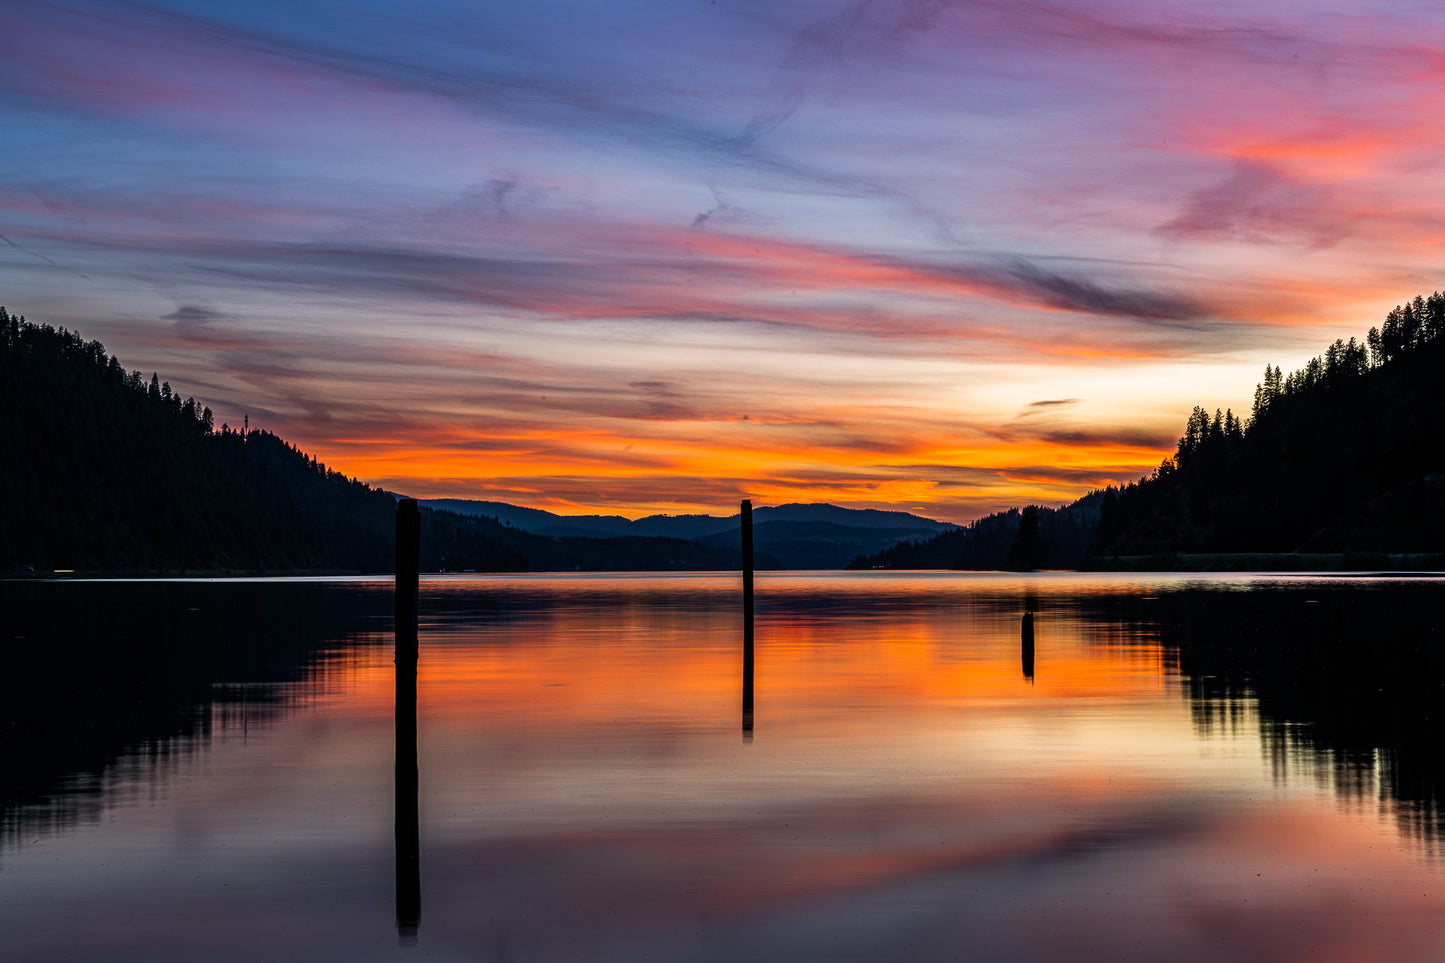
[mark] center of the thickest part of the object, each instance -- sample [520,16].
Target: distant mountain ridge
[799,536]
[541,522]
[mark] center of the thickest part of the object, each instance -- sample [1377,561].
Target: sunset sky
[638,257]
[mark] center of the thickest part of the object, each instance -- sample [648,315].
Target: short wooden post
[1027,632]
[746,519]
[408,838]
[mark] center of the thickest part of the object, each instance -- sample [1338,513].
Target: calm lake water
[1188,768]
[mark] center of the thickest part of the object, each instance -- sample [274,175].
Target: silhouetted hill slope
[1061,539]
[106,471]
[1344,455]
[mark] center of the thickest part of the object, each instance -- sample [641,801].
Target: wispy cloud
[1260,205]
[895,251]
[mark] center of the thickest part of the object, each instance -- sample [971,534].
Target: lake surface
[1188,768]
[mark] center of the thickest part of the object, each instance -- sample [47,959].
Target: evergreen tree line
[1341,456]
[1034,537]
[105,470]
[108,471]
[1348,679]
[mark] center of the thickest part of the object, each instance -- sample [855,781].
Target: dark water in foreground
[1188,768]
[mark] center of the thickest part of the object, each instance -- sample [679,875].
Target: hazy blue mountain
[850,517]
[798,536]
[540,522]
[817,545]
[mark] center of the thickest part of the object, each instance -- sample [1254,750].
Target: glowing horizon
[630,258]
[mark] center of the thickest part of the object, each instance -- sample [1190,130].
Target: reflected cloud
[582,753]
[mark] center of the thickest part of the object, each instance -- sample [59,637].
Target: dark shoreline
[1359,563]
[1363,562]
[60,576]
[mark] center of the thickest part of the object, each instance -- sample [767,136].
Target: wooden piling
[1027,639]
[746,519]
[408,558]
[408,838]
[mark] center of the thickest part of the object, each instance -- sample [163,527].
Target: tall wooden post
[408,563]
[408,839]
[747,536]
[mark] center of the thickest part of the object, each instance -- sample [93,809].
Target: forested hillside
[1033,537]
[1343,456]
[104,470]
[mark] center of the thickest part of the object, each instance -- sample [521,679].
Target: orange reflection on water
[600,659]
[909,791]
[973,657]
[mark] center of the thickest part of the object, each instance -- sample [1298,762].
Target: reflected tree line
[1347,683]
[108,681]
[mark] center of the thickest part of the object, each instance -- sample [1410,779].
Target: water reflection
[748,673]
[1344,680]
[746,529]
[112,687]
[748,657]
[406,779]
[1166,786]
[115,684]
[1027,645]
